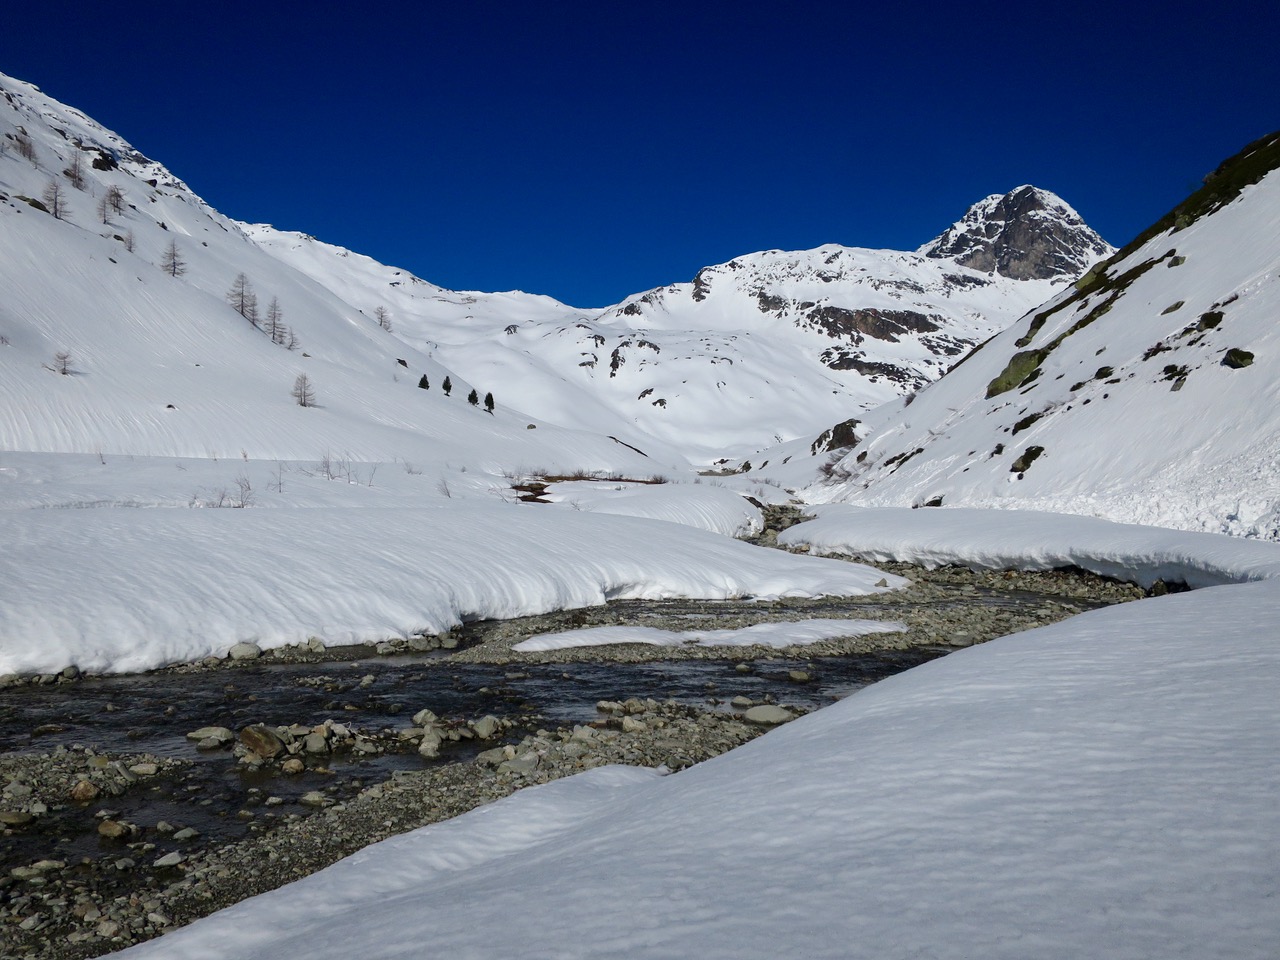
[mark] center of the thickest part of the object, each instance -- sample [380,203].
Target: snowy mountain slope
[767,347]
[794,334]
[1146,393]
[161,364]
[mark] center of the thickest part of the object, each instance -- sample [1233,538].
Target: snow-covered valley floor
[1103,786]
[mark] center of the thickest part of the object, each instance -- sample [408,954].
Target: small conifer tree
[447,386]
[243,300]
[55,199]
[172,262]
[274,326]
[303,392]
[473,398]
[488,402]
[424,384]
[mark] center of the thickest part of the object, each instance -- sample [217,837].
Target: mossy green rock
[1021,365]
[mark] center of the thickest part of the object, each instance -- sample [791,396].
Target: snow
[154,586]
[983,539]
[1139,419]
[1101,787]
[703,369]
[704,506]
[777,635]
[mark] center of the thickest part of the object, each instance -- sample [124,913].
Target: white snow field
[1103,787]
[778,635]
[119,590]
[704,506]
[1030,540]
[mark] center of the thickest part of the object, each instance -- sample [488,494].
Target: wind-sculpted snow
[1102,787]
[1001,539]
[788,634]
[124,590]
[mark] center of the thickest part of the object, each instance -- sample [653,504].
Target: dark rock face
[872,322]
[1028,234]
[840,437]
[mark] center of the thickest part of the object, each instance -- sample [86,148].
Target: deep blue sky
[592,150]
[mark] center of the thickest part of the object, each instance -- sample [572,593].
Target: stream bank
[170,832]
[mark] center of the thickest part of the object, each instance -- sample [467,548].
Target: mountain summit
[1026,234]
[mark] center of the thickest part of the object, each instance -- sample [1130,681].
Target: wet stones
[768,715]
[51,908]
[211,738]
[487,727]
[261,741]
[115,829]
[84,791]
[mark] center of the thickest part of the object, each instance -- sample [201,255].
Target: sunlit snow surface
[120,564]
[705,506]
[1102,787]
[999,539]
[788,634]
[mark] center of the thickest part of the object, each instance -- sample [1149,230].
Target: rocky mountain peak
[1025,234]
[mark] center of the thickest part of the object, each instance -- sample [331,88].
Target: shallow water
[152,713]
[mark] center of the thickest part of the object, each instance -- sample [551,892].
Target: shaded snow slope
[1101,787]
[1147,392]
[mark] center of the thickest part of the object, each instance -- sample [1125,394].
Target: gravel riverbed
[146,869]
